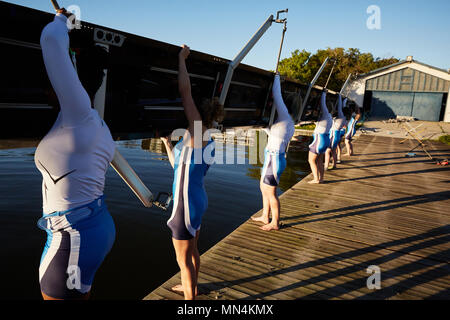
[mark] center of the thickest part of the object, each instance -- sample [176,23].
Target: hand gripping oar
[130,177]
[284,22]
[124,170]
[55,4]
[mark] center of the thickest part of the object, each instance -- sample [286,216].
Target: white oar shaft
[132,179]
[281,48]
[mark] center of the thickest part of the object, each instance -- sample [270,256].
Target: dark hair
[294,103]
[91,61]
[211,110]
[347,111]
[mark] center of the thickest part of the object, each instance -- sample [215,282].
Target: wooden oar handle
[55,4]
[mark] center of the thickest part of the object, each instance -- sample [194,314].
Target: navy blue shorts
[78,240]
[335,138]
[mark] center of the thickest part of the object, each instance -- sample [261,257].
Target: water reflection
[297,165]
[18,143]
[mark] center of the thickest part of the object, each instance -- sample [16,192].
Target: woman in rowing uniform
[321,141]
[351,130]
[280,134]
[73,158]
[335,136]
[342,133]
[190,159]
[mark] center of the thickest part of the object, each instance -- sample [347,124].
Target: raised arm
[73,98]
[184,86]
[344,103]
[282,110]
[340,113]
[323,105]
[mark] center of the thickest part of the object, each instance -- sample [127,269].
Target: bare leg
[330,153]
[264,218]
[320,159]
[184,250]
[312,159]
[271,193]
[338,153]
[195,262]
[327,158]
[348,146]
[334,154]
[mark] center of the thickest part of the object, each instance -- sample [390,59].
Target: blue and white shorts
[321,141]
[78,240]
[335,138]
[351,129]
[274,165]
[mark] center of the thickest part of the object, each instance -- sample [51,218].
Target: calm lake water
[142,257]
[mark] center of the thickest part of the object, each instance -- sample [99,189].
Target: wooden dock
[378,208]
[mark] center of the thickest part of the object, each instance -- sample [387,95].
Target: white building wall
[355,91]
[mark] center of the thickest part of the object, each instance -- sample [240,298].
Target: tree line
[303,65]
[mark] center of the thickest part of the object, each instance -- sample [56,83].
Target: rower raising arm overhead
[74,101]
[351,130]
[325,120]
[321,141]
[335,135]
[281,132]
[80,141]
[73,159]
[338,123]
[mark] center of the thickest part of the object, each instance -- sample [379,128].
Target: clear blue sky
[408,27]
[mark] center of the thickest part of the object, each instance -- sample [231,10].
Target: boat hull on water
[142,98]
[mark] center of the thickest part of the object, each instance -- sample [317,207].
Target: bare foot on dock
[314,182]
[179,289]
[261,219]
[269,226]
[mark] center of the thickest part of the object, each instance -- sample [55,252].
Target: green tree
[302,65]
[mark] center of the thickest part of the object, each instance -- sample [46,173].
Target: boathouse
[407,88]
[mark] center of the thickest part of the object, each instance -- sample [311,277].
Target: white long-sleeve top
[280,132]
[323,125]
[340,121]
[74,155]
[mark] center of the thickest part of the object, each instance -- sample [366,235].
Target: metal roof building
[407,88]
